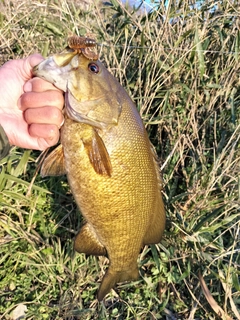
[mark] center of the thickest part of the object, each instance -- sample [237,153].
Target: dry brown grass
[181,67]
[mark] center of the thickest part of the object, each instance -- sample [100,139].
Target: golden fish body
[110,164]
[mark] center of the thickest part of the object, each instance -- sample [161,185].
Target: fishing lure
[76,42]
[85,45]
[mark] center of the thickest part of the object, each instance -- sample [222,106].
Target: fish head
[93,95]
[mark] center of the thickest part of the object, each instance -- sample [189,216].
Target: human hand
[30,108]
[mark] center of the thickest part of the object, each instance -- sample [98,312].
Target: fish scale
[110,164]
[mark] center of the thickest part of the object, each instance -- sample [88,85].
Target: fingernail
[27,87]
[61,123]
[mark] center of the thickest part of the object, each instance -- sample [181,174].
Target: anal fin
[87,242]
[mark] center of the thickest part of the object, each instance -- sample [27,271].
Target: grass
[181,67]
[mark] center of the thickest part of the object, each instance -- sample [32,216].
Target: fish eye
[93,67]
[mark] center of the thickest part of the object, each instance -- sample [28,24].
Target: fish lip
[50,71]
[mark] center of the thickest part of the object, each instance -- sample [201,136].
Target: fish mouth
[50,71]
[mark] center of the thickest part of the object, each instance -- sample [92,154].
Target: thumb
[29,63]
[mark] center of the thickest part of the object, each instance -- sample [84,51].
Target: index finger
[38,85]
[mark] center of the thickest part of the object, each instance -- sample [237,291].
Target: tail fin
[111,278]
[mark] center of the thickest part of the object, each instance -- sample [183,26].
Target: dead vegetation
[180,65]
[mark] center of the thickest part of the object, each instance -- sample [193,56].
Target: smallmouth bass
[110,164]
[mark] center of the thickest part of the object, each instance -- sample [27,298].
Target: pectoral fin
[54,164]
[97,153]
